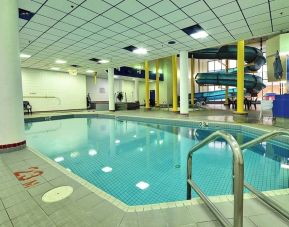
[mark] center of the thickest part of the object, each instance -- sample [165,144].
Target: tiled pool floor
[21,206]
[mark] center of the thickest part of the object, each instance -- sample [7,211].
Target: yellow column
[240,78]
[175,83]
[157,84]
[147,84]
[227,88]
[192,81]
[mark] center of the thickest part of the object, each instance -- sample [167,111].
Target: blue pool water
[141,163]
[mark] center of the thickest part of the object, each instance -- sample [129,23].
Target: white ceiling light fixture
[60,61]
[55,68]
[89,71]
[195,31]
[140,51]
[59,159]
[199,35]
[103,61]
[25,56]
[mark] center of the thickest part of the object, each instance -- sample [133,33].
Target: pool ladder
[237,174]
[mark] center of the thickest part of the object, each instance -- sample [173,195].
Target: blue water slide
[254,60]
[215,95]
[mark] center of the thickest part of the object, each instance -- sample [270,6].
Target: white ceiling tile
[118,28]
[73,20]
[196,8]
[64,26]
[130,22]
[84,14]
[97,6]
[51,13]
[57,32]
[232,17]
[169,28]
[146,15]
[175,16]
[144,28]
[208,15]
[184,23]
[158,22]
[91,27]
[154,33]
[149,2]
[236,24]
[36,26]
[43,20]
[106,33]
[258,18]
[263,8]
[64,6]
[245,4]
[215,4]
[130,7]
[227,9]
[183,3]
[102,21]
[163,7]
[29,5]
[115,14]
[82,32]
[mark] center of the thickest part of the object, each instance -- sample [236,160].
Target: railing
[259,194]
[238,179]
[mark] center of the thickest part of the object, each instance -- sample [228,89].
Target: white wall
[49,90]
[99,91]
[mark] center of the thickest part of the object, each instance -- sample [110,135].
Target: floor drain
[57,194]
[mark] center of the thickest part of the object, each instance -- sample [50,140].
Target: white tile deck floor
[23,207]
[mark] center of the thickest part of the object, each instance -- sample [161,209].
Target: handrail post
[189,177]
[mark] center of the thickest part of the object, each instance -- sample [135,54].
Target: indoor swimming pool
[145,163]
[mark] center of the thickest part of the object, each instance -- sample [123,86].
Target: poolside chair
[27,107]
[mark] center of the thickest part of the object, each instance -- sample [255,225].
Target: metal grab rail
[238,179]
[259,194]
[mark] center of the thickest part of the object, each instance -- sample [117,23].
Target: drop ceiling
[78,30]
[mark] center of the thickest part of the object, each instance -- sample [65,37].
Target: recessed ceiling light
[89,71]
[106,169]
[25,56]
[199,35]
[74,154]
[195,31]
[172,42]
[142,185]
[55,68]
[140,51]
[60,61]
[103,61]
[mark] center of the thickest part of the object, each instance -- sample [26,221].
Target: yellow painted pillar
[157,84]
[227,88]
[240,78]
[192,81]
[147,84]
[175,83]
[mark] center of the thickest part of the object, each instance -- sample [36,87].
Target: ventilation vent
[25,14]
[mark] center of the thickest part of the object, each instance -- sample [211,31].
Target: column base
[184,114]
[148,109]
[12,147]
[111,110]
[240,117]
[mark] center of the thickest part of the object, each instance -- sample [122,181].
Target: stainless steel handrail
[259,194]
[238,179]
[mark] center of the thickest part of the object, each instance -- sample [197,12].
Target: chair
[27,107]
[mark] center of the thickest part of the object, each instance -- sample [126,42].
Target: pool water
[145,163]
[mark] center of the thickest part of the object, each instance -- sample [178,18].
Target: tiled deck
[21,206]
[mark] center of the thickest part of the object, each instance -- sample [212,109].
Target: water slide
[254,60]
[215,95]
